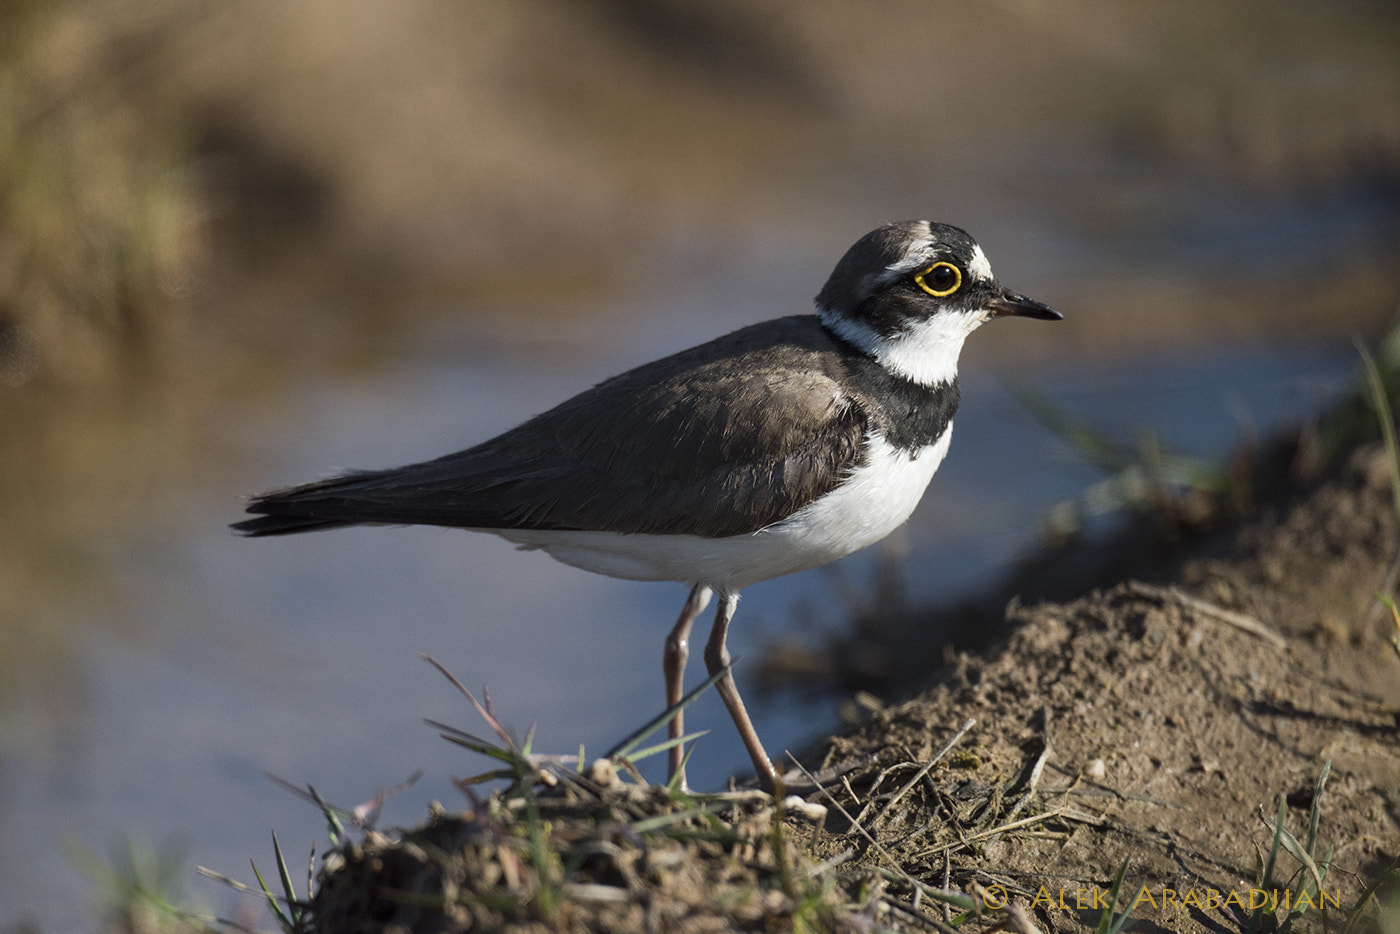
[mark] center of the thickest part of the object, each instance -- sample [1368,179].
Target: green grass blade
[1291,844]
[1266,872]
[1389,602]
[1106,919]
[282,872]
[482,709]
[1381,400]
[660,821]
[475,743]
[625,747]
[282,917]
[335,827]
[1378,904]
[493,775]
[1268,880]
[673,784]
[640,754]
[1126,916]
[1087,441]
[1315,812]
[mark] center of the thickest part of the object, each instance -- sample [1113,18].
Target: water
[158,666]
[179,664]
[205,660]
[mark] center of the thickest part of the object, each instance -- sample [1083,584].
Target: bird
[776,448]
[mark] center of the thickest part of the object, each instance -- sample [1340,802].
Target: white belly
[871,504]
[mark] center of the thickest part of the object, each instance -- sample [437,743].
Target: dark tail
[284,525]
[311,507]
[433,493]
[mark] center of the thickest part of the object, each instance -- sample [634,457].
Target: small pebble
[813,812]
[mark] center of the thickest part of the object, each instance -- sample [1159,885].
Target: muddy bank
[1157,726]
[1165,733]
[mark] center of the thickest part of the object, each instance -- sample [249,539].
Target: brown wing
[722,439]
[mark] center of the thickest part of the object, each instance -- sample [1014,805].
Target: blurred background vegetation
[162,163]
[196,196]
[200,204]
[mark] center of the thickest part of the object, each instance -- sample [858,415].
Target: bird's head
[908,294]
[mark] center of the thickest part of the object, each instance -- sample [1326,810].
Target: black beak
[1013,303]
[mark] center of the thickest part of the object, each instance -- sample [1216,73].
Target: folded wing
[722,439]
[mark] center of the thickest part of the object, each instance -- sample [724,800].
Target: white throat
[925,352]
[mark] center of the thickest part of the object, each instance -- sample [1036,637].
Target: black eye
[940,280]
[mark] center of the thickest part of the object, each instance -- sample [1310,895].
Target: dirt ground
[1153,725]
[1169,733]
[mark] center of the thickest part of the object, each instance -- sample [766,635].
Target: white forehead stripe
[916,256]
[920,251]
[979,268]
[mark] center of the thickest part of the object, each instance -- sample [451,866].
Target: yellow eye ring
[942,285]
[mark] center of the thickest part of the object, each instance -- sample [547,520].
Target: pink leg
[716,659]
[673,664]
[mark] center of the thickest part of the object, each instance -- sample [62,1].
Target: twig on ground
[1239,620]
[947,747]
